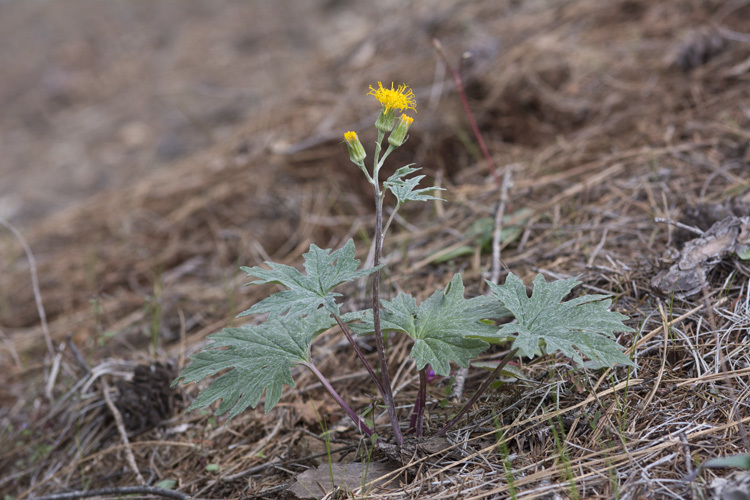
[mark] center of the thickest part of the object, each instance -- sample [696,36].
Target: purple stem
[352,414]
[383,363]
[417,417]
[479,392]
[360,355]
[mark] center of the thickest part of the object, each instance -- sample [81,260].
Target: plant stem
[335,395]
[382,160]
[383,363]
[479,392]
[417,418]
[371,252]
[360,355]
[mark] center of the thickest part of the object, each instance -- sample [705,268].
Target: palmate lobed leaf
[445,327]
[260,357]
[583,325]
[405,189]
[307,292]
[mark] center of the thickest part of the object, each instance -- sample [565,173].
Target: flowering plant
[445,328]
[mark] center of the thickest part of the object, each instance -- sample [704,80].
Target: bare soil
[150,149]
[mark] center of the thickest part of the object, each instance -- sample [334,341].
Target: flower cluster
[401,99]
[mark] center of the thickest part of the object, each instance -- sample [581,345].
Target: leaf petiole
[360,355]
[485,385]
[335,395]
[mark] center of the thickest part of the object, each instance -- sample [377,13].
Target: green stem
[385,155]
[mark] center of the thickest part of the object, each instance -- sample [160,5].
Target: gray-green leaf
[261,358]
[405,189]
[307,293]
[582,324]
[445,327]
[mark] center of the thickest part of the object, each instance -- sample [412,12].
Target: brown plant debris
[687,276]
[343,478]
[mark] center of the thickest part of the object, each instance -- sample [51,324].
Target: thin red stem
[417,419]
[335,395]
[458,82]
[479,392]
[361,355]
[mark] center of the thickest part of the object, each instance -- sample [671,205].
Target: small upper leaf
[405,189]
[584,323]
[445,327]
[307,293]
[261,358]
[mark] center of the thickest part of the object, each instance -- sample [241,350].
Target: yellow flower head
[350,137]
[401,98]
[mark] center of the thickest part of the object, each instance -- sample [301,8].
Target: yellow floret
[401,98]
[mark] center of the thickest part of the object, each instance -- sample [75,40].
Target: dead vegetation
[609,113]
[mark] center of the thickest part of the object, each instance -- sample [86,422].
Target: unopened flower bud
[398,136]
[356,150]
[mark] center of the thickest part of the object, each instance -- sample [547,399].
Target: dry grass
[587,101]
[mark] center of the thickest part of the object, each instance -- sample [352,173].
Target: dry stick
[499,214]
[479,392]
[459,382]
[123,433]
[686,452]
[34,282]
[37,295]
[54,371]
[674,223]
[116,492]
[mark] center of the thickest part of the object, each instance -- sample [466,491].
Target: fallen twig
[122,490]
[123,433]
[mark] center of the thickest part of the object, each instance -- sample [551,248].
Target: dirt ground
[150,149]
